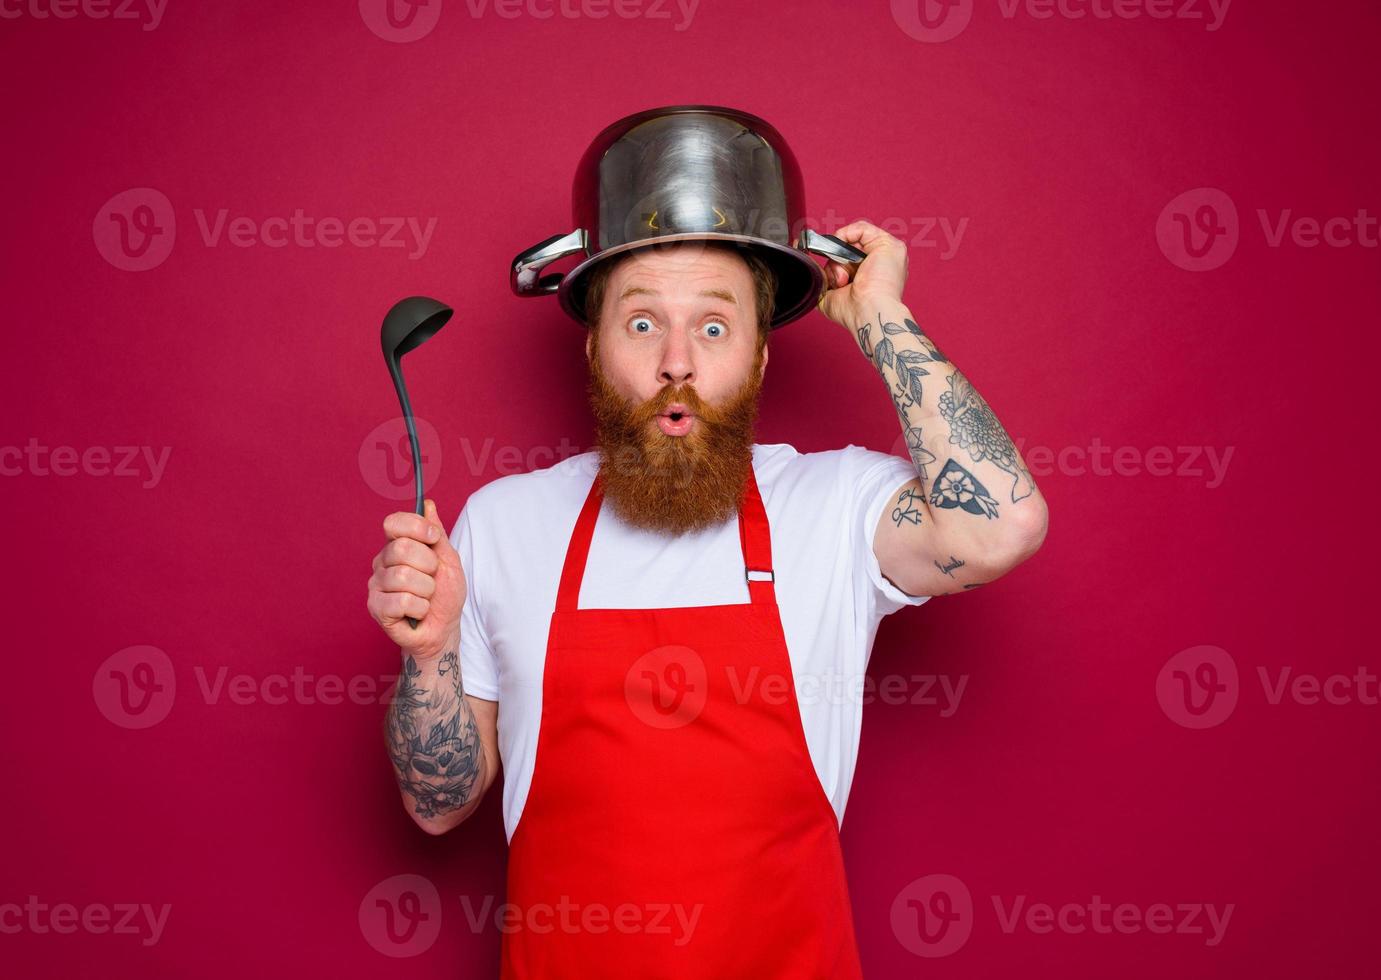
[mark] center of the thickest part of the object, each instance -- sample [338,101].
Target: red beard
[668,483]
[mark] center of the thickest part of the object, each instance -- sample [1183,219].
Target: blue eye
[641,319]
[716,325]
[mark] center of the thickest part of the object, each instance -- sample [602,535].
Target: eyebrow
[723,294]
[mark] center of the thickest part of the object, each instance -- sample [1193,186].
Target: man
[674,776]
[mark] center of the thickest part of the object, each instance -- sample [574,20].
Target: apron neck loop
[755,539]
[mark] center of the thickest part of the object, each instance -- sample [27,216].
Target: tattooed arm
[972,513]
[441,741]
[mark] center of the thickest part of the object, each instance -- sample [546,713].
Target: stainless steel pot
[686,173]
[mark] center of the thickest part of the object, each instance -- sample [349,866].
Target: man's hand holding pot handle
[418,574]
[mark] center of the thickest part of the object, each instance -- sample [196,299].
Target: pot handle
[829,246]
[525,276]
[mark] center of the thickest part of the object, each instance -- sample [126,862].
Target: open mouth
[676,413]
[675,420]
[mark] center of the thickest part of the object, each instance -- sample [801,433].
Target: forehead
[682,271]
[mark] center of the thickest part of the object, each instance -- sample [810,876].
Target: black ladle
[409,324]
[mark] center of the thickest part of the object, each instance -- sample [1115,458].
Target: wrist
[427,652]
[876,310]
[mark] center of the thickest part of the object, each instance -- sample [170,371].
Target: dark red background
[1059,777]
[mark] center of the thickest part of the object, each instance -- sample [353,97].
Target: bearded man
[677,624]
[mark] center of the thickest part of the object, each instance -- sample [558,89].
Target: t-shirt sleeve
[479,668]
[871,482]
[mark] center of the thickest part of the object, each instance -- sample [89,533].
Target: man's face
[675,372]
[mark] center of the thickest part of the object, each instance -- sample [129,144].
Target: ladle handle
[395,369]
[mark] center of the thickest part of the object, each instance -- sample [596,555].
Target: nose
[675,366]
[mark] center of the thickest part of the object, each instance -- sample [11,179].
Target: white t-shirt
[822,510]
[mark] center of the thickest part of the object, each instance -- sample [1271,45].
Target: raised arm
[972,512]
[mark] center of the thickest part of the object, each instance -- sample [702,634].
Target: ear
[589,339]
[765,351]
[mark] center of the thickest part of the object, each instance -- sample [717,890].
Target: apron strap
[755,539]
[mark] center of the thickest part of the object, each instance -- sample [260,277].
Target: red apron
[675,826]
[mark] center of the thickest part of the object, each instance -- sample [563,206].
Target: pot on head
[686,173]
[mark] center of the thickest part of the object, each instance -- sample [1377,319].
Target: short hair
[764,285]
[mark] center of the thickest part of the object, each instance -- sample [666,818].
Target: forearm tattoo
[907,392]
[974,427]
[957,487]
[433,740]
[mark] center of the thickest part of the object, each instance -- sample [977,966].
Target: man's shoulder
[517,489]
[785,458]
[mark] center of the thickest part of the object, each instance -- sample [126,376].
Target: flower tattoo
[956,487]
[974,428]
